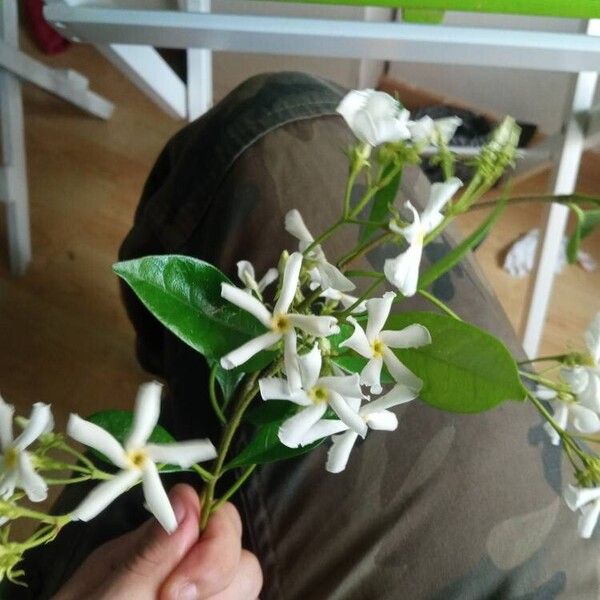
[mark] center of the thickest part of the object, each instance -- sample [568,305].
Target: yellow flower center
[137,458]
[10,458]
[378,347]
[318,394]
[280,323]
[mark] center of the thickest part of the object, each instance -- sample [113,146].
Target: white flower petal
[439,195]
[413,336]
[7,412]
[95,437]
[588,519]
[294,225]
[104,494]
[246,274]
[268,278]
[339,453]
[32,484]
[358,340]
[371,374]
[289,284]
[592,338]
[379,311]
[274,388]
[576,497]
[184,454]
[292,431]
[8,483]
[544,393]
[346,299]
[403,271]
[446,128]
[246,351]
[332,277]
[590,396]
[561,416]
[291,361]
[145,414]
[156,498]
[321,429]
[421,130]
[584,419]
[317,325]
[246,301]
[39,419]
[399,372]
[384,420]
[399,394]
[310,367]
[346,414]
[552,434]
[576,377]
[345,385]
[351,103]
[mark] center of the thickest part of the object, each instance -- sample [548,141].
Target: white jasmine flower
[374,117]
[582,418]
[584,381]
[431,132]
[16,466]
[322,273]
[375,415]
[586,500]
[280,323]
[376,345]
[247,276]
[315,395]
[346,300]
[403,271]
[137,459]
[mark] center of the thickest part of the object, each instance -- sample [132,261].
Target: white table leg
[564,182]
[199,69]
[13,152]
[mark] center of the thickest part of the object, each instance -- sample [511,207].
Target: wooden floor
[64,337]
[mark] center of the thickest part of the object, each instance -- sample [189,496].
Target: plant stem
[234,488]
[383,182]
[437,302]
[342,315]
[212,392]
[565,199]
[204,474]
[246,396]
[325,235]
[349,187]
[555,357]
[362,273]
[533,377]
[363,249]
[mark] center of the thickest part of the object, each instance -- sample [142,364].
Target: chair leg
[13,152]
[564,182]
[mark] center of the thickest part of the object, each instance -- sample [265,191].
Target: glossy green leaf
[270,412]
[184,294]
[265,447]
[464,369]
[381,202]
[452,258]
[118,423]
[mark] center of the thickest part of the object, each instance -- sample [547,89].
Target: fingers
[216,564]
[247,582]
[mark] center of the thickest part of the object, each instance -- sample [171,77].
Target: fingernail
[188,591]
[178,509]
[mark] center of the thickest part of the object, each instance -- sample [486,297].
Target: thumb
[150,553]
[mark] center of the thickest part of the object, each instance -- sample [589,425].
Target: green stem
[79,456]
[246,397]
[349,187]
[324,236]
[545,382]
[556,357]
[342,315]
[212,392]
[370,193]
[234,488]
[437,302]
[360,273]
[363,249]
[564,199]
[203,473]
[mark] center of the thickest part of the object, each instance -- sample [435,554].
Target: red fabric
[47,39]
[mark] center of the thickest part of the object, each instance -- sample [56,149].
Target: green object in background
[574,9]
[420,15]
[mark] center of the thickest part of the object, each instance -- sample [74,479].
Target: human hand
[148,563]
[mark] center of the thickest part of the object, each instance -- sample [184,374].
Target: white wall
[528,95]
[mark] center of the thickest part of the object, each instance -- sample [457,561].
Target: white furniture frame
[15,66]
[578,54]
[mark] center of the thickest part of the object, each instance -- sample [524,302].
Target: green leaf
[270,412]
[184,294]
[381,201]
[118,423]
[464,369]
[265,447]
[228,380]
[587,221]
[455,255]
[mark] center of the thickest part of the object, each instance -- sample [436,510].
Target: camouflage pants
[447,507]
